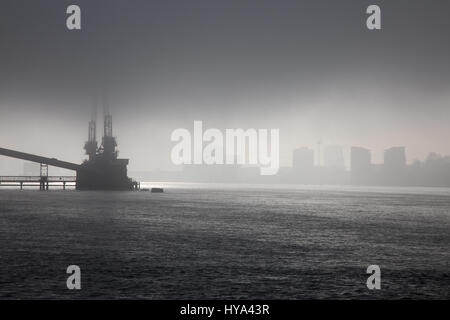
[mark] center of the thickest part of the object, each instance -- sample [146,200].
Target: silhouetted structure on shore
[433,172]
[102,171]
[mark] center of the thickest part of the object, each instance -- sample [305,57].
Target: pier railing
[42,182]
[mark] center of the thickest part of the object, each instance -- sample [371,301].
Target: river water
[204,241]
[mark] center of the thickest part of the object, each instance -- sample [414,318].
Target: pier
[43,182]
[103,170]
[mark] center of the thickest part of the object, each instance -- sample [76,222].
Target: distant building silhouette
[394,166]
[435,160]
[433,172]
[395,159]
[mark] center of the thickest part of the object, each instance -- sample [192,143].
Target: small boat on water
[154,190]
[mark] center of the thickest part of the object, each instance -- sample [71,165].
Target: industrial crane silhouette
[103,170]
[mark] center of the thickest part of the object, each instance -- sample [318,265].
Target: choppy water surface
[212,241]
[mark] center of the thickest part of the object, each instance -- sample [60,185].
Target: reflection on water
[221,241]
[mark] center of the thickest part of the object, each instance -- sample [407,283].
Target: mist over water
[309,68]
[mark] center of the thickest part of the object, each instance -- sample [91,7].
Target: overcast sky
[310,68]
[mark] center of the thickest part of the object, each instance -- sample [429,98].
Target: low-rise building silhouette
[395,159]
[394,166]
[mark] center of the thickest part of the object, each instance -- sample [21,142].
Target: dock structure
[44,183]
[103,170]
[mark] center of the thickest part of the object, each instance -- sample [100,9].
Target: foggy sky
[309,68]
